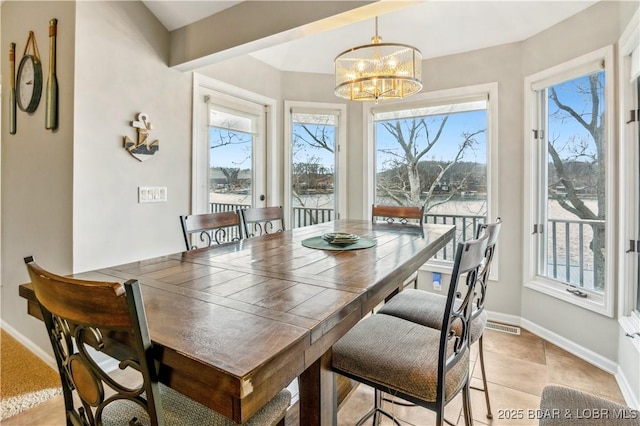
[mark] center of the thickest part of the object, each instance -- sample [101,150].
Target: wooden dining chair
[426,308]
[400,216]
[109,317]
[422,365]
[261,220]
[210,228]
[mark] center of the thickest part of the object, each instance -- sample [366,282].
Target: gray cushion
[427,308]
[399,355]
[180,410]
[564,406]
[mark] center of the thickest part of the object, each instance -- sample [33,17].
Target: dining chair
[261,220]
[82,315]
[422,365]
[210,228]
[563,406]
[401,216]
[426,308]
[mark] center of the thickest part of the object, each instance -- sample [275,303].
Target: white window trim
[628,157]
[438,97]
[601,304]
[341,169]
[203,85]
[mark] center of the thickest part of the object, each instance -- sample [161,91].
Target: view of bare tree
[578,162]
[411,179]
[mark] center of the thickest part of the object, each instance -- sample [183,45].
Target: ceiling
[437,28]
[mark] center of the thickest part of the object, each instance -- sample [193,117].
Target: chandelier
[378,71]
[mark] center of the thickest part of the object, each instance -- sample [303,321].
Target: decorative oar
[51,114]
[12,94]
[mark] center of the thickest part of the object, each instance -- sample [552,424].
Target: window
[570,182]
[233,130]
[434,153]
[314,159]
[629,273]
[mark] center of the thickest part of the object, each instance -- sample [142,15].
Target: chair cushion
[181,410]
[561,406]
[397,355]
[427,309]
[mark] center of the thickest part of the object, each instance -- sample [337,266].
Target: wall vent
[503,328]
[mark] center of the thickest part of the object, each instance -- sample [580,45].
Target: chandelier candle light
[378,71]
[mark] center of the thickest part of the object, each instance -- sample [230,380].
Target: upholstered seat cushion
[560,406]
[397,354]
[180,410]
[427,309]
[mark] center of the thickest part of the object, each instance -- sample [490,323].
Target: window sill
[594,303]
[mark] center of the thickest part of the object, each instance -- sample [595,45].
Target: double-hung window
[569,181]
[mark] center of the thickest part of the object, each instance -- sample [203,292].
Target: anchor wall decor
[144,148]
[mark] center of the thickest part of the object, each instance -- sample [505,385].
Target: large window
[435,154]
[570,179]
[233,130]
[315,192]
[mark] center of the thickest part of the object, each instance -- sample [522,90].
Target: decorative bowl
[340,238]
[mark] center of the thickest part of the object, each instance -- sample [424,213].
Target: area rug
[25,380]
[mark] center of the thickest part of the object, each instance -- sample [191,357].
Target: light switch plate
[152,194]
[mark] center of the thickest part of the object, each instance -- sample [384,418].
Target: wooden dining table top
[234,324]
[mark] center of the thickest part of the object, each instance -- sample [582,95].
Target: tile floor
[518,368]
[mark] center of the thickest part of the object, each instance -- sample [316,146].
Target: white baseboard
[503,318]
[627,390]
[45,356]
[108,364]
[573,348]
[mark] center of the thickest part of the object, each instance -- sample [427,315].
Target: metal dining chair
[210,228]
[399,216]
[422,365]
[258,221]
[426,308]
[82,315]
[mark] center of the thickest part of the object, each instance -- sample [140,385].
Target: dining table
[235,323]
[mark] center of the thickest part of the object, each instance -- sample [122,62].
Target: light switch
[152,194]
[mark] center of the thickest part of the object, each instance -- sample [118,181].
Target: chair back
[459,307]
[81,314]
[398,214]
[210,228]
[493,232]
[262,220]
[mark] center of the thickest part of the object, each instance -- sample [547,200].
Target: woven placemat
[319,243]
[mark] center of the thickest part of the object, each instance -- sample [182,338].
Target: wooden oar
[51,114]
[12,94]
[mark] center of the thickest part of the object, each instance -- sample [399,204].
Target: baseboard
[46,357]
[626,390]
[503,318]
[573,348]
[107,364]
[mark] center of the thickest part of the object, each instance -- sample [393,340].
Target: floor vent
[503,328]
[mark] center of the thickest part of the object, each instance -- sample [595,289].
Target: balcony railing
[570,252]
[568,243]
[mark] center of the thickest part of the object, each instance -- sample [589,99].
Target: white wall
[121,70]
[37,164]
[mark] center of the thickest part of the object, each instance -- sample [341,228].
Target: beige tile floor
[518,368]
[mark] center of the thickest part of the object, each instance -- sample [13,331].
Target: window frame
[629,176]
[533,185]
[439,97]
[341,154]
[204,86]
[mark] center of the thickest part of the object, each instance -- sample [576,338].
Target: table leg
[318,406]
